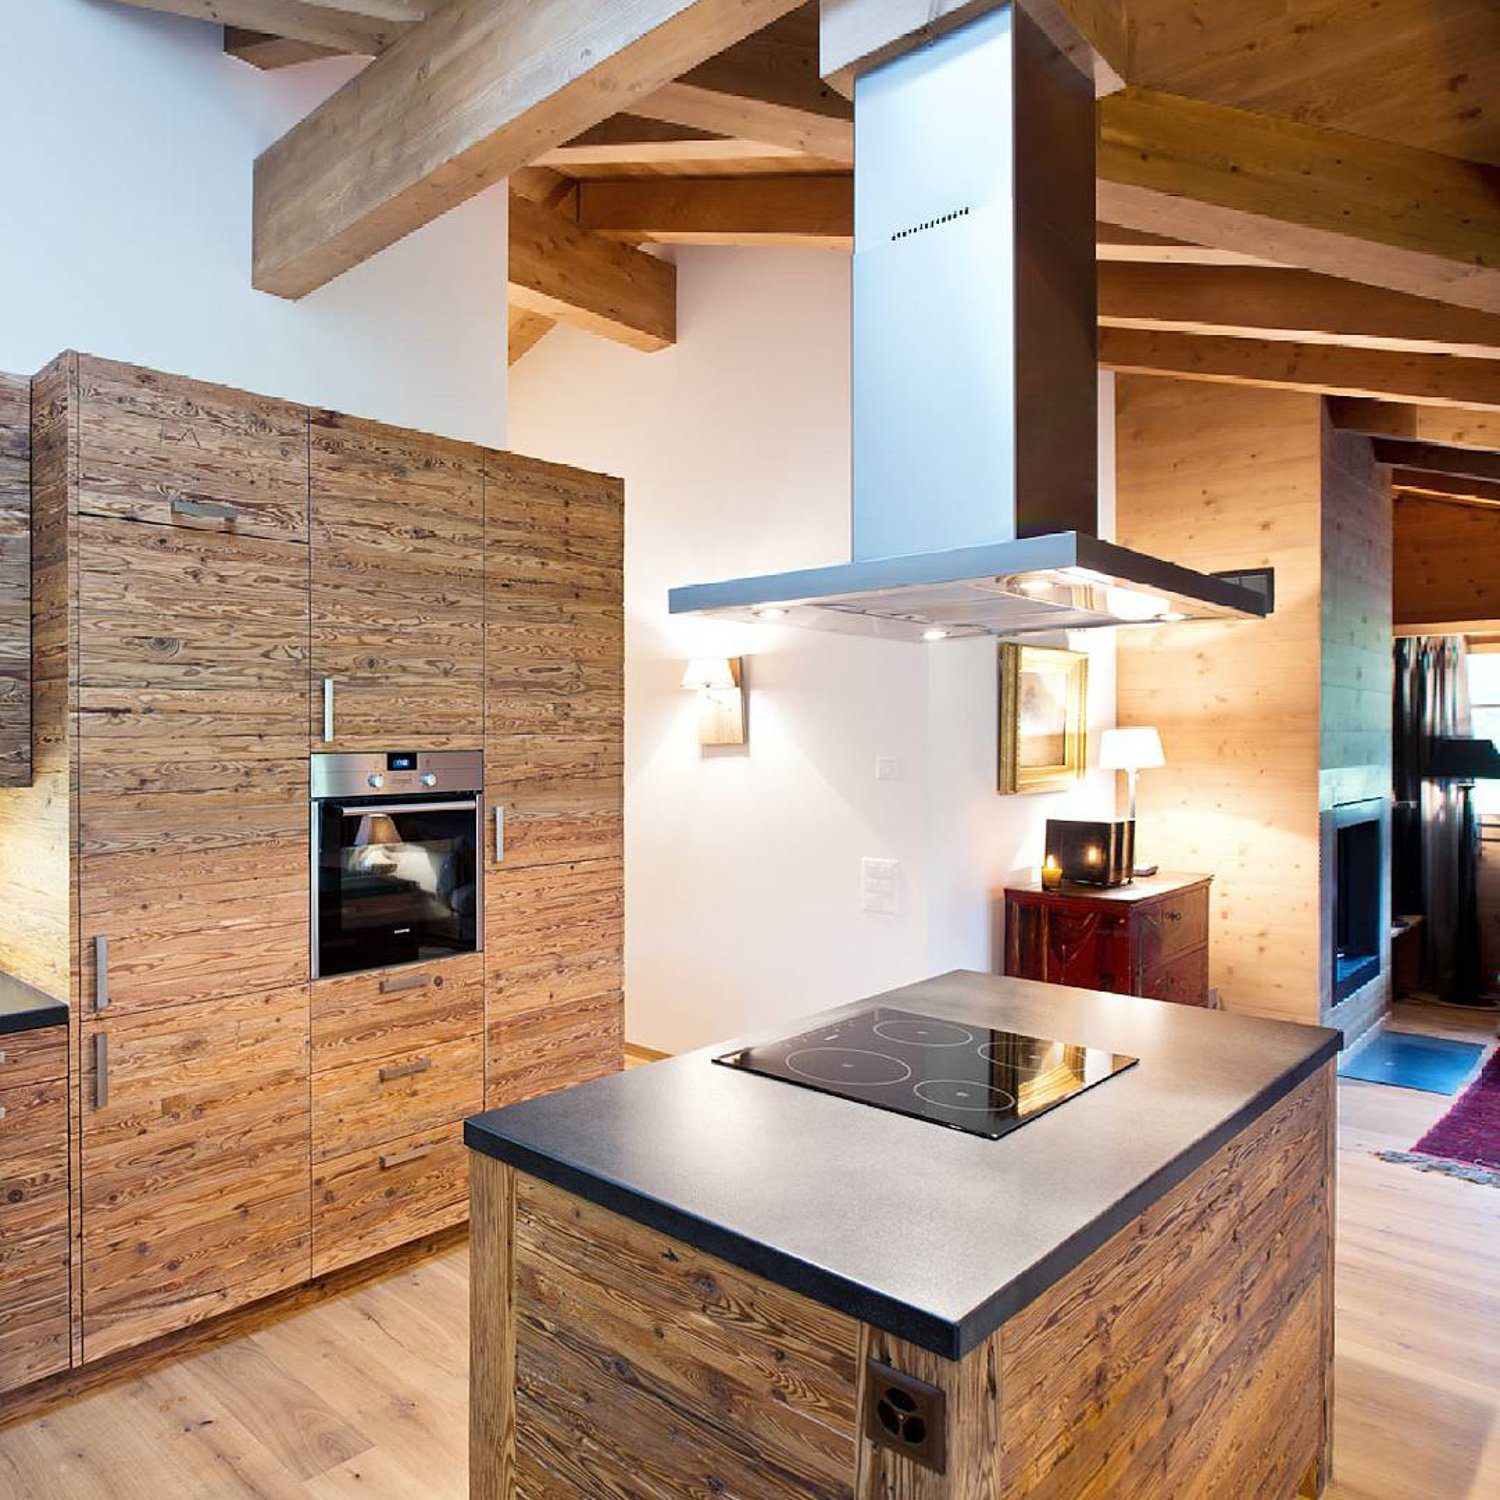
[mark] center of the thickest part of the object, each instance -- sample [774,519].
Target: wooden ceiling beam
[765,88]
[524,330]
[1452,426]
[1434,459]
[1277,303]
[270,52]
[800,209]
[1425,379]
[1445,487]
[1318,199]
[365,27]
[562,272]
[1114,242]
[858,35]
[477,90]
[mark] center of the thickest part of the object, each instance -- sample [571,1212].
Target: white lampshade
[709,674]
[1136,749]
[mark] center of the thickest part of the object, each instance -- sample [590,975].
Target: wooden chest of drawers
[1146,938]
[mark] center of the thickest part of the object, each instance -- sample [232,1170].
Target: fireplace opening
[1358,874]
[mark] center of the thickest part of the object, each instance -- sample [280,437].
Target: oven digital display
[401,760]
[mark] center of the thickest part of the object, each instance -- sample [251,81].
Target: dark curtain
[1434,840]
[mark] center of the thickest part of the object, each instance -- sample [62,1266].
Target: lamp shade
[709,674]
[1130,750]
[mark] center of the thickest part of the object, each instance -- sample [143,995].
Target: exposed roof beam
[479,89]
[625,141]
[1367,210]
[562,272]
[1423,424]
[800,209]
[269,52]
[524,331]
[362,26]
[1257,302]
[766,88]
[1435,379]
[858,35]
[1434,459]
[1115,242]
[1446,486]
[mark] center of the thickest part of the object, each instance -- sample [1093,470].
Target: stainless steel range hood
[974,367]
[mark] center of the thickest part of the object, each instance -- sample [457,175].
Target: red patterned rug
[1466,1141]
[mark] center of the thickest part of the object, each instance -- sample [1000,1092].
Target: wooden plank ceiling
[1295,193]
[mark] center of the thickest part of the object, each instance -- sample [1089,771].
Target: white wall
[125,230]
[742,868]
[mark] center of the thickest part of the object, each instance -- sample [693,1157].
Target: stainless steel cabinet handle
[101,973]
[101,1069]
[400,1158]
[499,834]
[405,1070]
[2,1111]
[327,708]
[397,982]
[181,506]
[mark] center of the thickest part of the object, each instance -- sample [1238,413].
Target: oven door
[397,881]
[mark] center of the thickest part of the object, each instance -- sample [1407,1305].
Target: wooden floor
[365,1394]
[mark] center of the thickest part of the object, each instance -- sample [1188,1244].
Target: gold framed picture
[1044,694]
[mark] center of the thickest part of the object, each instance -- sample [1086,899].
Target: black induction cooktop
[966,1077]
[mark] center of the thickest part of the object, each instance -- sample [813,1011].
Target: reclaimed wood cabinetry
[34,1245]
[397,587]
[204,558]
[554,766]
[15,581]
[1146,938]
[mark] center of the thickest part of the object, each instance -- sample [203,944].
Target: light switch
[887,768]
[877,886]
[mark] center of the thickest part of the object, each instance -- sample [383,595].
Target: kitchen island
[694,1280]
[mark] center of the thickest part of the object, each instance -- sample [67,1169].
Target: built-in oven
[395,858]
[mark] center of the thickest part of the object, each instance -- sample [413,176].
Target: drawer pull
[400,1158]
[2,1057]
[101,1070]
[406,1069]
[2,1111]
[101,973]
[181,506]
[1174,916]
[394,983]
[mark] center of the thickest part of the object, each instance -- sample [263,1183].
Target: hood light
[935,634]
[1133,606]
[769,612]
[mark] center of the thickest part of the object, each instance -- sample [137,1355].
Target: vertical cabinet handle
[101,973]
[499,834]
[327,709]
[101,1069]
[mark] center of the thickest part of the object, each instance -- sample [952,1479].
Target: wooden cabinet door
[397,587]
[195,1141]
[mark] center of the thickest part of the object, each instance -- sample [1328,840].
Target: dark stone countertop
[933,1235]
[25,1009]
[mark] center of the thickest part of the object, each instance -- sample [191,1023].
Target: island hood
[974,378]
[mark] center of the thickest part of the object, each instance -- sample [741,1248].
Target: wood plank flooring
[365,1394]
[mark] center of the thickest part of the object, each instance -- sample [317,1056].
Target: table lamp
[1132,751]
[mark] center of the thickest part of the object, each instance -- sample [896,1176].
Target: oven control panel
[396,773]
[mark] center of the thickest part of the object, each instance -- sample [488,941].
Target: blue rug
[1407,1061]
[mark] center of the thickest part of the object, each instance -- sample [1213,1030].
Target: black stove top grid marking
[849,1059]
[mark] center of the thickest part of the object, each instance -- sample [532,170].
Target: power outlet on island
[877,886]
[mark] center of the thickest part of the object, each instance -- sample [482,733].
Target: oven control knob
[376,780]
[429,778]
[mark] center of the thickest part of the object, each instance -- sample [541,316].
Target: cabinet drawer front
[161,448]
[28,1057]
[378,1198]
[34,1334]
[188,926]
[1171,926]
[34,1121]
[360,1105]
[1183,979]
[537,1051]
[553,933]
[364,1018]
[195,1183]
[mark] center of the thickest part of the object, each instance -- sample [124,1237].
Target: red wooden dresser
[1146,938]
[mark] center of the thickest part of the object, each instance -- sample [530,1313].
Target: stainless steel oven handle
[405,807]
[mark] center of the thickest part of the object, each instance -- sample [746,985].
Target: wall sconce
[721,698]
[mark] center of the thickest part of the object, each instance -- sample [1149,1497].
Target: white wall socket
[877,886]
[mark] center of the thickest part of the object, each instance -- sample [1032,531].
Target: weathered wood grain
[552,1046]
[397,583]
[15,581]
[356,1020]
[492,1329]
[195,1187]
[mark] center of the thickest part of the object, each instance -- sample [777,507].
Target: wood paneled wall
[1447,574]
[1214,477]
[15,580]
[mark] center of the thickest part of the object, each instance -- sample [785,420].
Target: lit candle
[1051,873]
